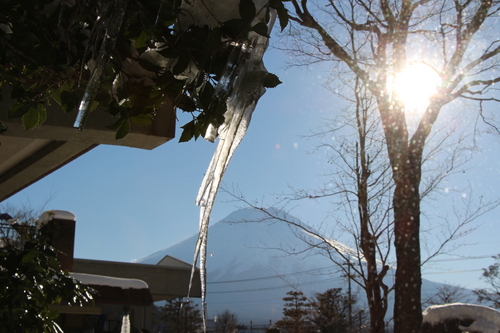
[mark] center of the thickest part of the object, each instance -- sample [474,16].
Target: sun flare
[415,85]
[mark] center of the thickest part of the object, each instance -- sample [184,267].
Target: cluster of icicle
[107,24]
[245,79]
[125,323]
[243,76]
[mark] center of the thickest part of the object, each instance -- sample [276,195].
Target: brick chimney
[63,235]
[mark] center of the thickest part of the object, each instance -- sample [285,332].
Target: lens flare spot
[416,84]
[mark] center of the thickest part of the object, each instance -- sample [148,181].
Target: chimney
[63,235]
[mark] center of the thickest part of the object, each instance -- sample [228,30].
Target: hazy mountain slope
[249,278]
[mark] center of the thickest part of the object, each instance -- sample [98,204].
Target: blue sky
[130,203]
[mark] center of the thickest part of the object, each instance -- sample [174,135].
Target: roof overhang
[27,156]
[112,290]
[165,282]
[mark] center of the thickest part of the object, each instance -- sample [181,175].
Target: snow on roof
[49,215]
[486,319]
[101,280]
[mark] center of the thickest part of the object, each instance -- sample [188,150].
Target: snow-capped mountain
[249,275]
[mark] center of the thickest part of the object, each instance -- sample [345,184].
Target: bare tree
[492,276]
[332,311]
[373,40]
[226,322]
[447,294]
[359,190]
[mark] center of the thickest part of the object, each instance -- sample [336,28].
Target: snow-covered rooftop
[100,280]
[487,320]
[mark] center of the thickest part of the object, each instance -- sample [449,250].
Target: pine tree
[296,314]
[331,311]
[181,316]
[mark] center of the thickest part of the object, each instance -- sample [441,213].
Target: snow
[50,215]
[480,325]
[57,214]
[487,320]
[100,280]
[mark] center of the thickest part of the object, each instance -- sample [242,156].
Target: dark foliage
[180,316]
[492,276]
[227,322]
[60,51]
[31,281]
[331,311]
[295,313]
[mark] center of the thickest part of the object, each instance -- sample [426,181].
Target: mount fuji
[249,275]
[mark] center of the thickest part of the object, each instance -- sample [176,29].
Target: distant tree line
[332,311]
[329,312]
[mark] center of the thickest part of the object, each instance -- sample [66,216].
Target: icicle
[246,88]
[113,24]
[125,323]
[224,86]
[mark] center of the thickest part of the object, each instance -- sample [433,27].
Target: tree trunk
[373,284]
[407,307]
[377,310]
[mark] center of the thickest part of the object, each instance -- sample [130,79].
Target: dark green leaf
[102,97]
[142,40]
[261,29]
[17,92]
[276,4]
[185,103]
[282,12]
[56,96]
[33,118]
[182,63]
[148,65]
[115,125]
[42,113]
[94,105]
[142,119]
[233,28]
[29,257]
[123,129]
[168,53]
[188,131]
[206,94]
[18,110]
[70,100]
[283,17]
[271,80]
[214,39]
[247,10]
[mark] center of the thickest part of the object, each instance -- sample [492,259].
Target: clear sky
[130,203]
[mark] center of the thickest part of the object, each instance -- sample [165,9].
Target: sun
[415,85]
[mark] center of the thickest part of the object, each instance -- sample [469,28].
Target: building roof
[112,290]
[164,281]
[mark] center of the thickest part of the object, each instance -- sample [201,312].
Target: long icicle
[246,91]
[113,26]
